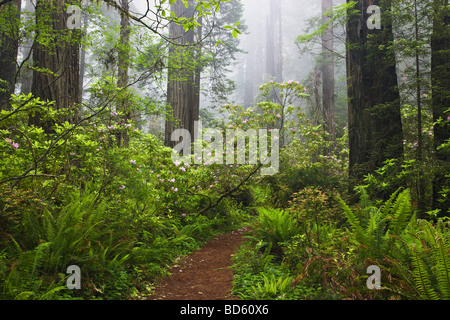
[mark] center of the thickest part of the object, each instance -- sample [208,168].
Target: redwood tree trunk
[180,87]
[122,74]
[60,56]
[197,74]
[440,77]
[328,82]
[9,46]
[274,62]
[375,128]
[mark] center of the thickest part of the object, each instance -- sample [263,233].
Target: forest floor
[203,275]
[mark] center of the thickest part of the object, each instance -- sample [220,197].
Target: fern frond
[352,218]
[40,255]
[421,278]
[386,208]
[402,211]
[364,198]
[443,267]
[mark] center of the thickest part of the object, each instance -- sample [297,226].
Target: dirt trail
[203,275]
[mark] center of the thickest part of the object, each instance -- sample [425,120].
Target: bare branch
[231,191]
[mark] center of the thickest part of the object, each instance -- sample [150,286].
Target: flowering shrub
[134,207]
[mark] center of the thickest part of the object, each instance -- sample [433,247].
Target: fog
[295,16]
[250,70]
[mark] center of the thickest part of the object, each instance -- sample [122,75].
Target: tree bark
[420,186]
[58,61]
[122,138]
[274,62]
[197,75]
[440,78]
[26,73]
[180,87]
[375,127]
[9,46]
[328,82]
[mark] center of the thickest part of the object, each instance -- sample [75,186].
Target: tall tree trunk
[180,86]
[122,73]
[26,74]
[197,75]
[420,181]
[249,93]
[9,46]
[318,109]
[440,78]
[254,67]
[274,62]
[83,56]
[56,76]
[328,82]
[375,127]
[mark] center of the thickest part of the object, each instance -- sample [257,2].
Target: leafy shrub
[377,229]
[274,227]
[273,288]
[429,253]
[261,276]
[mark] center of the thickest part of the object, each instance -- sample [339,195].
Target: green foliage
[114,212]
[273,288]
[23,281]
[316,213]
[273,228]
[430,258]
[257,276]
[378,228]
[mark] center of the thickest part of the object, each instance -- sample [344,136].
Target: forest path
[203,275]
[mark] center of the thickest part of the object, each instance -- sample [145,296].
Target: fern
[421,278]
[443,267]
[353,220]
[67,229]
[377,229]
[401,211]
[23,280]
[275,227]
[273,287]
[436,245]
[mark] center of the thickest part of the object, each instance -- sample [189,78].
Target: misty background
[298,62]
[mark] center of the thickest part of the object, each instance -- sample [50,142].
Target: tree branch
[231,191]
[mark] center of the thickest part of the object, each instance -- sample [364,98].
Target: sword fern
[378,228]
